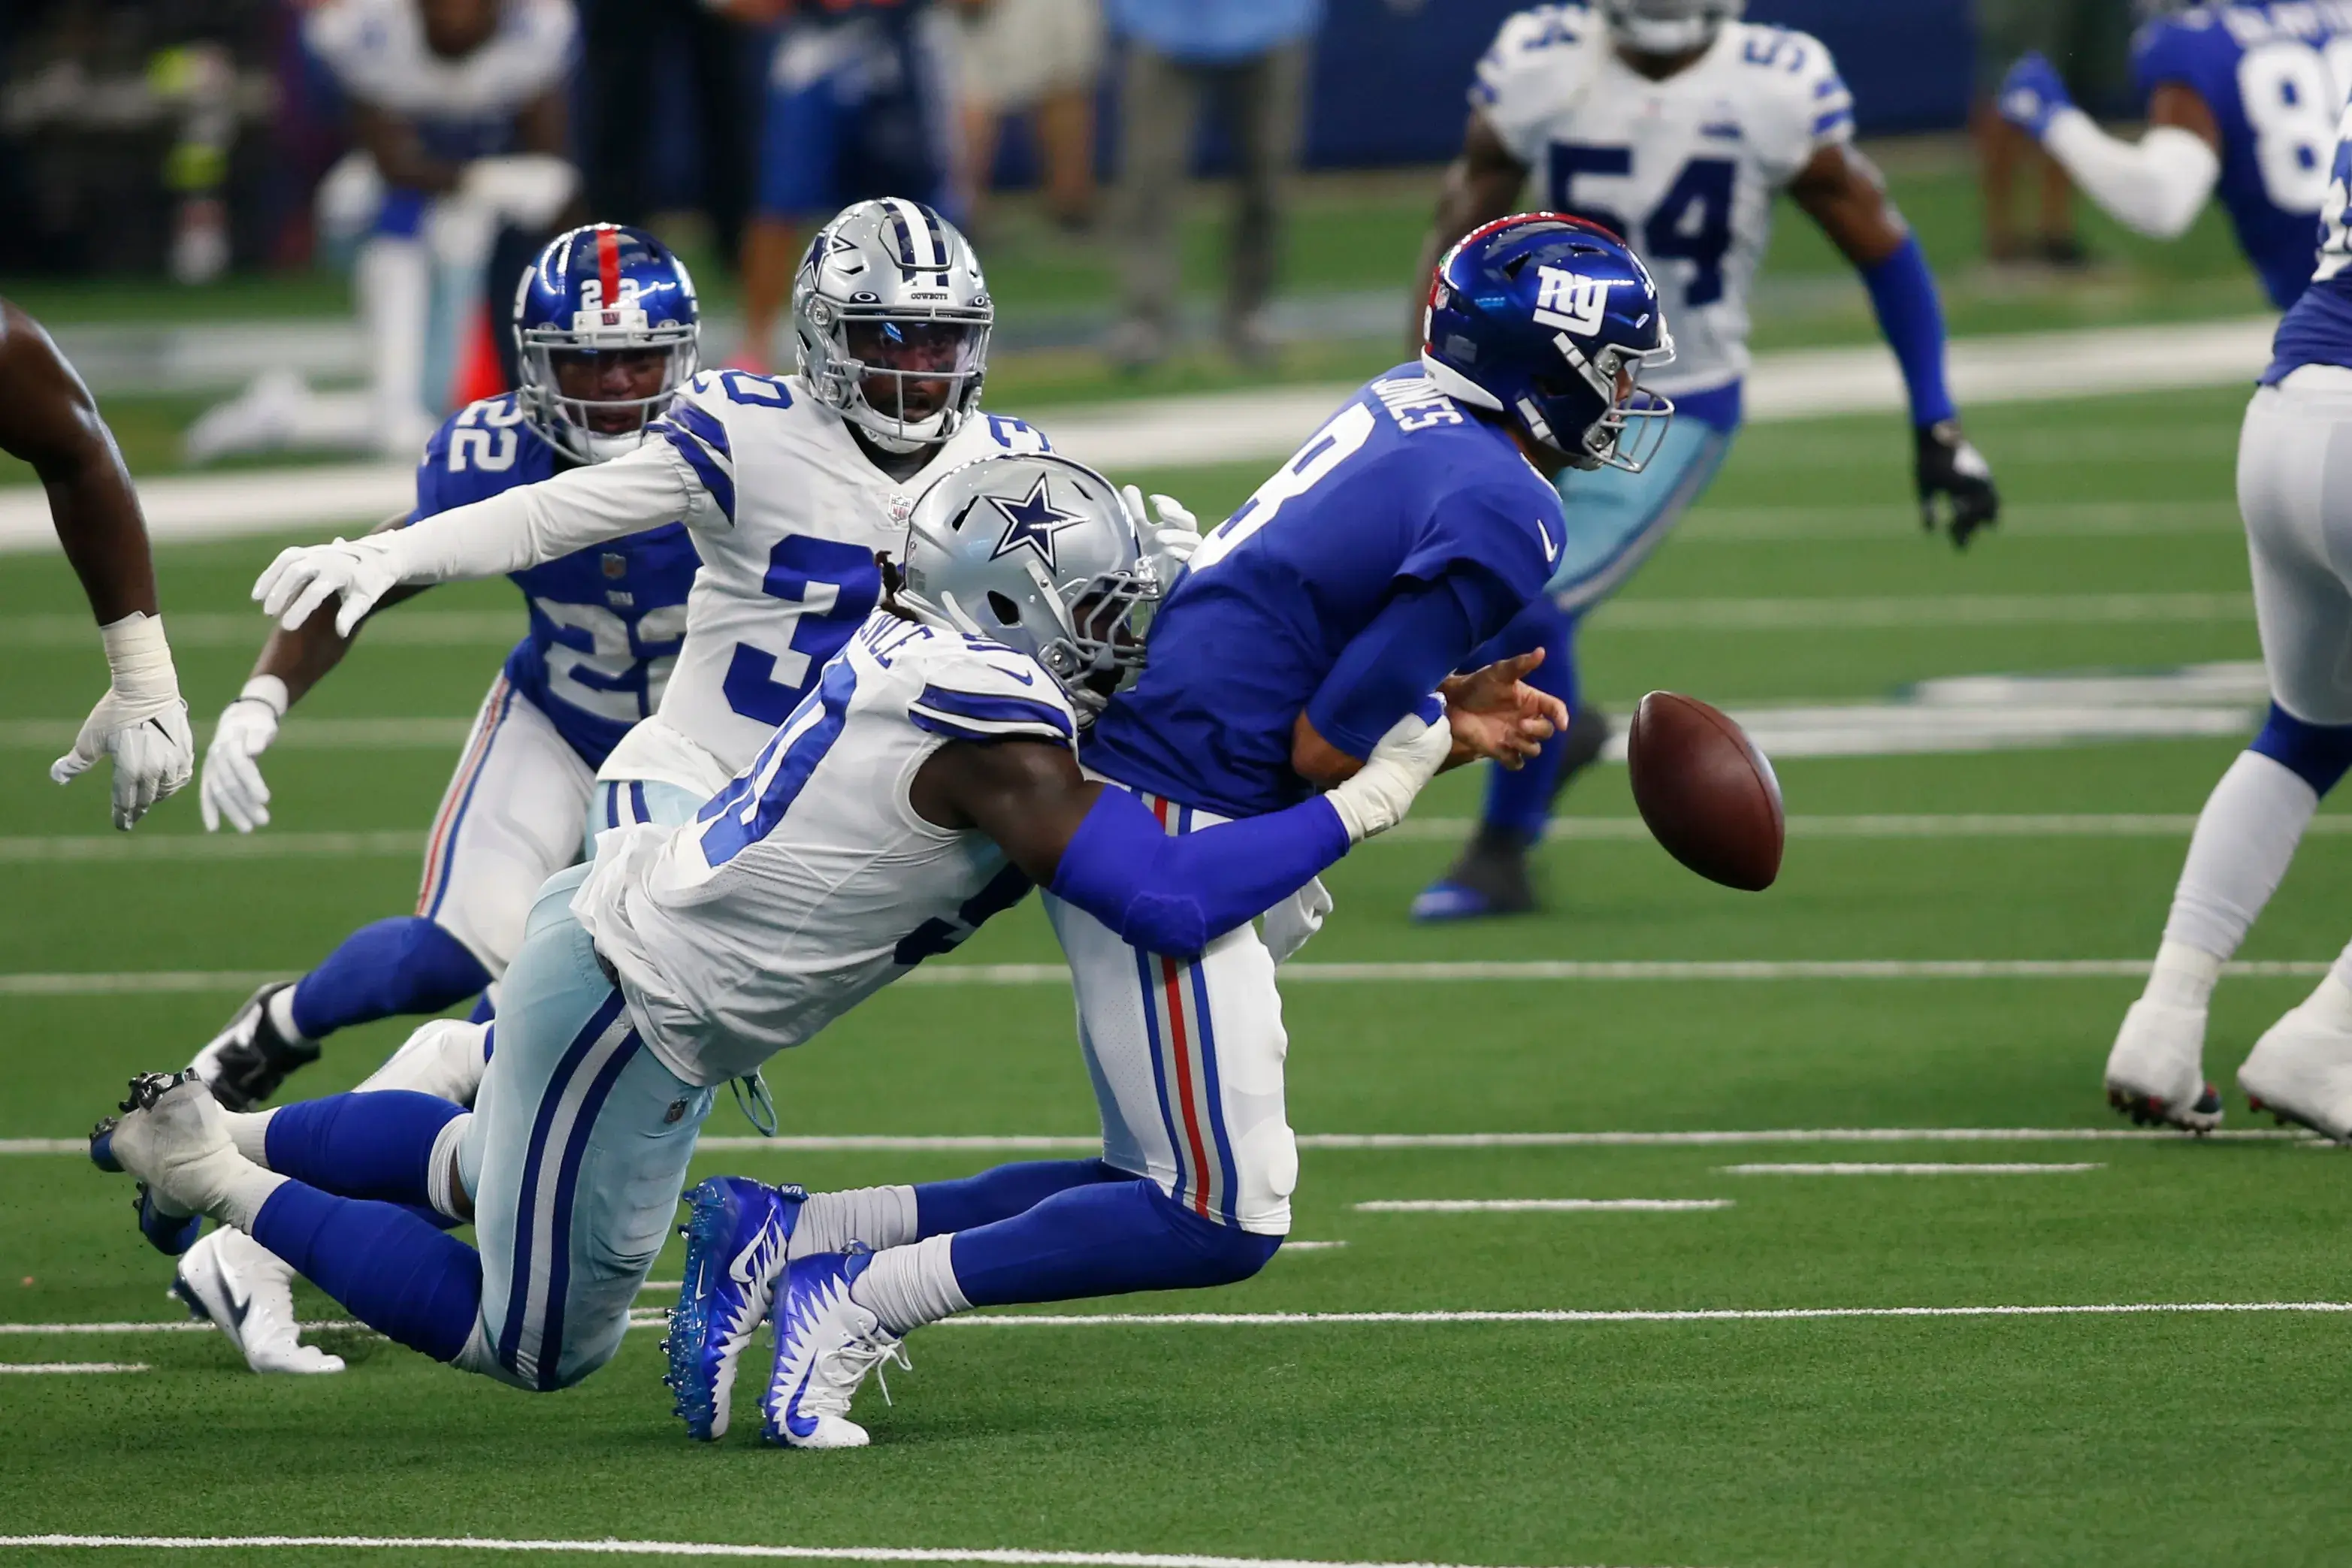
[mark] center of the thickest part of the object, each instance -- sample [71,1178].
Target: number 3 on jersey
[836,586]
[1333,444]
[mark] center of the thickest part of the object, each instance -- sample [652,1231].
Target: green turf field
[2134,1437]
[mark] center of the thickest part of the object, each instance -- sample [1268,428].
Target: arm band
[535,523]
[2155,186]
[1903,292]
[1418,639]
[1175,894]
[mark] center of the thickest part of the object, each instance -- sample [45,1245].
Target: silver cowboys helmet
[1668,26]
[1037,552]
[893,319]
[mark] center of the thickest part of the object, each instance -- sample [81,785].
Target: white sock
[250,1131]
[2245,838]
[442,1178]
[394,280]
[280,1008]
[445,1057]
[242,1194]
[881,1217]
[908,1286]
[2182,977]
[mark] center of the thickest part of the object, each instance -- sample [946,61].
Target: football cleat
[173,1136]
[1490,879]
[2155,1069]
[246,1291]
[2301,1072]
[737,1233]
[169,1233]
[826,1344]
[246,1062]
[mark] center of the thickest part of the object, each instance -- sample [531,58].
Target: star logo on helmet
[1032,523]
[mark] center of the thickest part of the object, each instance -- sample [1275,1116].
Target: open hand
[1496,714]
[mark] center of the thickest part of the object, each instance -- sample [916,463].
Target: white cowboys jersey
[809,883]
[377,51]
[788,512]
[1685,169]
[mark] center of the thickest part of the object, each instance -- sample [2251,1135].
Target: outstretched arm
[1097,846]
[2155,186]
[1842,191]
[48,419]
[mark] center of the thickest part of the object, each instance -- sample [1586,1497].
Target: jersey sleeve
[1499,541]
[695,431]
[338,35]
[432,474]
[1806,105]
[985,692]
[1517,87]
[2168,50]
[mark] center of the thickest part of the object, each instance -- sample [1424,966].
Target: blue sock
[1520,802]
[1105,1239]
[392,1272]
[2319,754]
[394,969]
[376,1144]
[1002,1192]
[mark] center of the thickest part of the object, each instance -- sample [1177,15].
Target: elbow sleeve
[2155,186]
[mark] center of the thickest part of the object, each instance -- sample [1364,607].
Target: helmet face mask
[892,319]
[1668,27]
[596,373]
[1039,553]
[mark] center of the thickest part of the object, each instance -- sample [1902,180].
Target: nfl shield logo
[616,565]
[901,507]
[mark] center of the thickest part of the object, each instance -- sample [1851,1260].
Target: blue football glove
[2031,95]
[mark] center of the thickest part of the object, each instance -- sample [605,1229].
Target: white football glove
[140,722]
[1170,537]
[1407,758]
[233,786]
[304,577]
[1289,925]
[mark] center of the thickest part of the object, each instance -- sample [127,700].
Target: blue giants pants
[575,1157]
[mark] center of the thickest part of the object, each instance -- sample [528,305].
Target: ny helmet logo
[1572,301]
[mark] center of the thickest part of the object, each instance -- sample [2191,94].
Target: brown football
[1707,794]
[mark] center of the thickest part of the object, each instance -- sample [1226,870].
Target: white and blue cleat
[168,1230]
[826,1344]
[737,1235]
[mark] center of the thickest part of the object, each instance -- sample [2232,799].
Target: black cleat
[246,1062]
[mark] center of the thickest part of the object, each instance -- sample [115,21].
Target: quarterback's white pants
[575,1155]
[2294,491]
[510,820]
[1186,1060]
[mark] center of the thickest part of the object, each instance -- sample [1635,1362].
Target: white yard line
[250,628]
[165,982]
[1541,1204]
[1053,1143]
[1289,1247]
[1019,1557]
[1907,612]
[70,1367]
[2081,519]
[1916,1167]
[300,734]
[112,848]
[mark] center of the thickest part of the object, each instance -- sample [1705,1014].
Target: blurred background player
[1042,57]
[2088,37]
[607,330]
[860,105]
[459,110]
[1244,62]
[47,419]
[1676,124]
[2242,99]
[2298,521]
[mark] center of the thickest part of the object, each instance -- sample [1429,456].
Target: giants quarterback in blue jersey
[1359,578]
[2242,103]
[2298,518]
[607,323]
[1677,125]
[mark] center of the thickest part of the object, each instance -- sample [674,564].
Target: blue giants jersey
[2275,75]
[1402,486]
[605,623]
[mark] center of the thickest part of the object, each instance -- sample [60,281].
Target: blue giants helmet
[608,331]
[1549,320]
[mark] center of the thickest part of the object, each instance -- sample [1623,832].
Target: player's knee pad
[2319,754]
[444,1058]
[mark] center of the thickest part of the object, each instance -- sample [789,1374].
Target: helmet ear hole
[1007,613]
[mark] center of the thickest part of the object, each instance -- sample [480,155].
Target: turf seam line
[1019,1557]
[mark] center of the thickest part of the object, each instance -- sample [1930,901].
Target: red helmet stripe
[608,264]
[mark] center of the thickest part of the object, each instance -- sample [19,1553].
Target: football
[1706,793]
